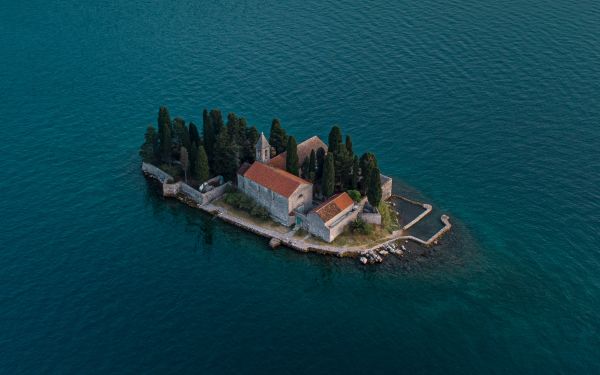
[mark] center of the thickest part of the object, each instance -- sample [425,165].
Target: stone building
[304,149]
[279,191]
[289,198]
[329,219]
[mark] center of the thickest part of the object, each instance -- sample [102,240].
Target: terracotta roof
[304,149]
[333,206]
[277,180]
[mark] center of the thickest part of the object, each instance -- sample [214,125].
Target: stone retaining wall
[156,173]
[371,218]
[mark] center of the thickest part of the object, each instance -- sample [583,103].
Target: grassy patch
[349,238]
[389,220]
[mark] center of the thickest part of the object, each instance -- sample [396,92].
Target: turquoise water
[488,109]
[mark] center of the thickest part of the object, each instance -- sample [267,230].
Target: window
[266,154]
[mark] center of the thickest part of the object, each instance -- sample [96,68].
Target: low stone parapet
[371,218]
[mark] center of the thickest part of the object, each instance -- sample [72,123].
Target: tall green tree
[201,171]
[194,135]
[249,147]
[306,169]
[184,160]
[355,173]
[374,188]
[343,165]
[349,146]
[312,166]
[277,137]
[328,179]
[149,149]
[320,162]
[217,121]
[225,162]
[182,133]
[209,136]
[164,133]
[193,155]
[367,163]
[335,139]
[291,157]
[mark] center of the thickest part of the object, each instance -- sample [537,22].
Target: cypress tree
[367,163]
[240,132]
[291,157]
[335,139]
[320,162]
[149,148]
[251,140]
[217,121]
[306,168]
[349,146]
[164,133]
[374,188]
[184,160]
[194,135]
[312,166]
[193,155]
[182,133]
[225,161]
[328,180]
[343,164]
[277,137]
[201,167]
[355,171]
[208,135]
[232,123]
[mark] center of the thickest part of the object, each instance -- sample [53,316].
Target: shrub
[354,194]
[361,226]
[260,212]
[245,203]
[230,189]
[388,219]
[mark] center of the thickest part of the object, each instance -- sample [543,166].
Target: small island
[309,196]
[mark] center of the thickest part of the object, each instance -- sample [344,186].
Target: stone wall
[301,199]
[318,228]
[170,190]
[371,218]
[386,187]
[191,193]
[157,173]
[215,193]
[276,204]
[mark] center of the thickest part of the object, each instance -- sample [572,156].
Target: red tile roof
[304,149]
[277,180]
[333,206]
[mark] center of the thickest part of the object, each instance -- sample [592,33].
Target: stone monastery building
[289,198]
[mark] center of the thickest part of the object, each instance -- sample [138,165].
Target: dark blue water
[488,109]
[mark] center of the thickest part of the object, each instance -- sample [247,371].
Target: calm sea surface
[488,109]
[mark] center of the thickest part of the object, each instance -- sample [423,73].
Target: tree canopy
[277,136]
[328,179]
[291,157]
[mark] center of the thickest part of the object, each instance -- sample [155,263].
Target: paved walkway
[303,245]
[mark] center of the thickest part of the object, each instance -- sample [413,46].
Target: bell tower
[263,149]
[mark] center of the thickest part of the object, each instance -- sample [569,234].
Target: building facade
[330,218]
[279,191]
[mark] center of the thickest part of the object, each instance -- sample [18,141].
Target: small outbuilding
[328,220]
